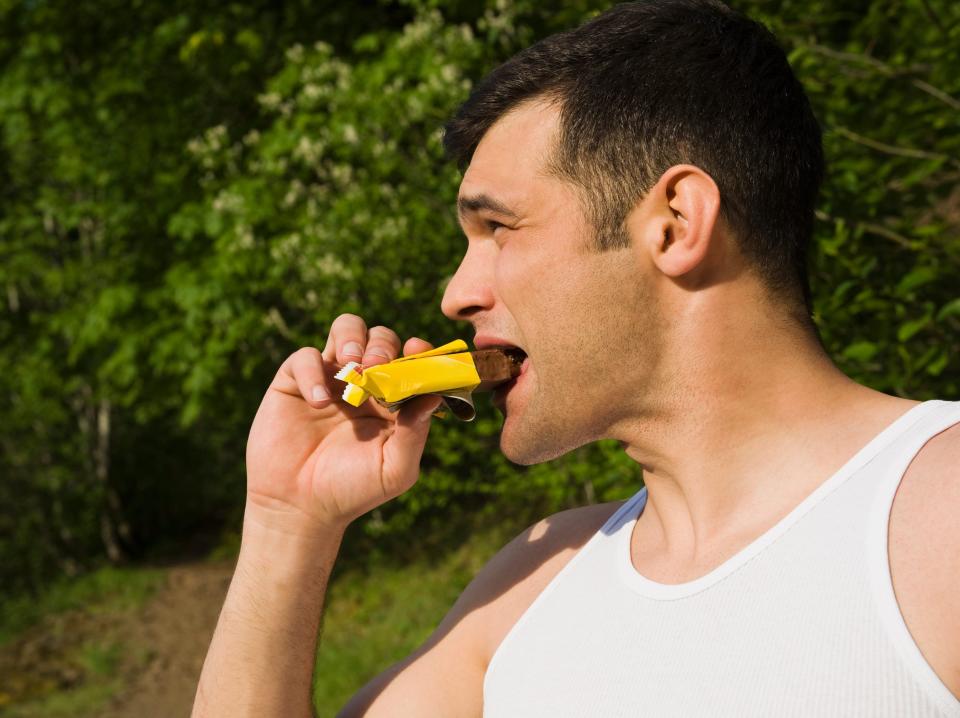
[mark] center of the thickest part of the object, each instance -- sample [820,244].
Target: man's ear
[674,223]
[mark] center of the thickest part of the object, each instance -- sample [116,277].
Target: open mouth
[516,354]
[518,363]
[498,365]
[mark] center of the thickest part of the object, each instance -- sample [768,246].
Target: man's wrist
[281,577]
[280,547]
[268,515]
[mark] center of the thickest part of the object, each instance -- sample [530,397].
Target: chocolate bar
[496,366]
[450,371]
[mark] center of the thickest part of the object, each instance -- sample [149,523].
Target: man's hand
[314,459]
[314,463]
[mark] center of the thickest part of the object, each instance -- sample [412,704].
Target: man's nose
[471,289]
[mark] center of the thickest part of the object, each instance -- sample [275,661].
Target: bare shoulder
[928,500]
[444,677]
[513,578]
[925,553]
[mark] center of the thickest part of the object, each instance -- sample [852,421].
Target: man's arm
[314,464]
[261,659]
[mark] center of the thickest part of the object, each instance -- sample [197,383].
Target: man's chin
[525,447]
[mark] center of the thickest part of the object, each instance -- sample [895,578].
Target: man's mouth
[489,342]
[522,361]
[515,353]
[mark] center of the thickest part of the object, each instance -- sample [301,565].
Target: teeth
[517,354]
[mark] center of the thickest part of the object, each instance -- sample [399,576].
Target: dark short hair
[648,85]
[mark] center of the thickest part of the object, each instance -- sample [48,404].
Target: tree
[192,190]
[97,104]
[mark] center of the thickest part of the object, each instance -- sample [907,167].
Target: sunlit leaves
[191,193]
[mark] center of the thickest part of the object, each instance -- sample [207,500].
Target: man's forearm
[261,659]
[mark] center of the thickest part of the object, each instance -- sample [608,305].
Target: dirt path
[154,653]
[168,640]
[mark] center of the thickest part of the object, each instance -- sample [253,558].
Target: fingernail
[352,349]
[379,353]
[319,393]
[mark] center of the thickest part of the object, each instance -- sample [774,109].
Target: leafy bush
[190,198]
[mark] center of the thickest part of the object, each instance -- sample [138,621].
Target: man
[637,201]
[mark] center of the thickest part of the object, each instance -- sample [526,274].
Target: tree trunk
[114,529]
[94,420]
[13,298]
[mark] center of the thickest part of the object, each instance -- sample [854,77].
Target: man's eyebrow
[475,203]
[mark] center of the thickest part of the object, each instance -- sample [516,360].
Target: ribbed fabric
[802,622]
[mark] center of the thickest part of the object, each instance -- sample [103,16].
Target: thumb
[404,449]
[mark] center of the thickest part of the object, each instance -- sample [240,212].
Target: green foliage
[192,192]
[884,83]
[97,105]
[336,205]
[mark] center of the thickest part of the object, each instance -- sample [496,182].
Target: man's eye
[493,225]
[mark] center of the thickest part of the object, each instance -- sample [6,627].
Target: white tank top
[802,622]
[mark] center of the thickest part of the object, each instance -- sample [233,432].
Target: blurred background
[190,190]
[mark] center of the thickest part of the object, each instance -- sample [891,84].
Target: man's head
[678,95]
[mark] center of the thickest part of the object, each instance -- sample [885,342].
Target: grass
[86,700]
[101,658]
[95,659]
[106,590]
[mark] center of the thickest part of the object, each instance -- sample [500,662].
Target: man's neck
[742,439]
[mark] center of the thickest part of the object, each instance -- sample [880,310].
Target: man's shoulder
[924,551]
[928,499]
[551,541]
[445,675]
[930,489]
[518,573]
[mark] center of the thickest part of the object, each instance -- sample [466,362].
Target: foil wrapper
[449,371]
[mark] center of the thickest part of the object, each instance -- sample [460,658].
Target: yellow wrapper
[447,370]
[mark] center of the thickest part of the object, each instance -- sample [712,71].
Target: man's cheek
[512,268]
[514,283]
